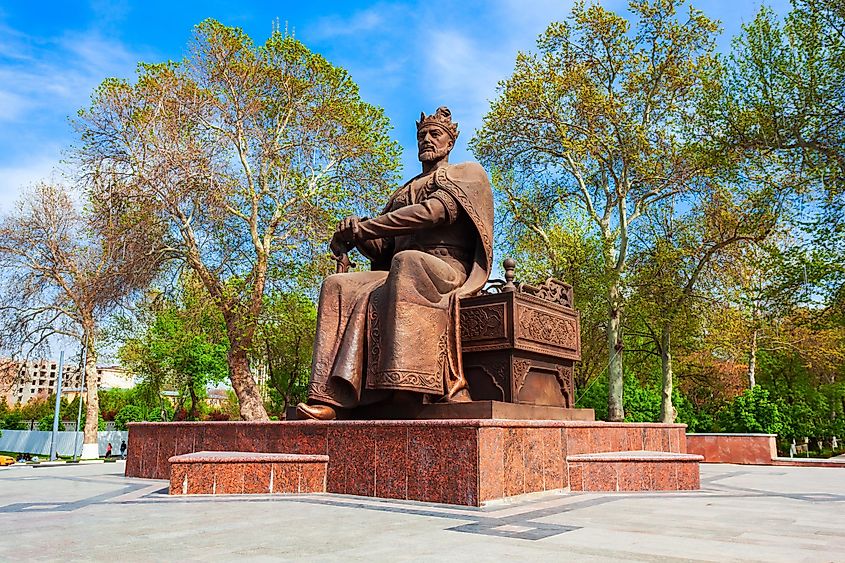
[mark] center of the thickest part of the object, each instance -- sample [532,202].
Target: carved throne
[520,342]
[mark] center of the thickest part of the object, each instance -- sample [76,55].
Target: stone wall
[746,449]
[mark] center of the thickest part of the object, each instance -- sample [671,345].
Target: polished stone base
[465,462]
[235,473]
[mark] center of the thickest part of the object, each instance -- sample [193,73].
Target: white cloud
[65,73]
[361,22]
[45,80]
[12,106]
[15,178]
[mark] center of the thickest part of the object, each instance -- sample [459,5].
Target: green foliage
[180,343]
[13,421]
[697,420]
[38,407]
[283,344]
[129,413]
[45,423]
[642,402]
[753,411]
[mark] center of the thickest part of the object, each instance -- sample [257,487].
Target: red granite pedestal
[466,462]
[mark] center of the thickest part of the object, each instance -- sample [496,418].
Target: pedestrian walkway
[743,513]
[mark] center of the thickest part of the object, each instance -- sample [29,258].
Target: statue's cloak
[399,328]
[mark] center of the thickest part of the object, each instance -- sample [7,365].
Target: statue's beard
[427,155]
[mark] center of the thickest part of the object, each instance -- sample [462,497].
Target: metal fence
[38,442]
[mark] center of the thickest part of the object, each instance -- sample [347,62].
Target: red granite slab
[200,480]
[286,478]
[463,462]
[391,461]
[227,473]
[228,478]
[513,479]
[312,477]
[554,459]
[359,455]
[257,478]
[178,482]
[634,471]
[533,455]
[491,463]
[746,449]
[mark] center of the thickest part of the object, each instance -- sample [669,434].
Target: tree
[753,411]
[243,157]
[783,92]
[284,343]
[677,252]
[780,101]
[63,274]
[596,120]
[178,342]
[129,413]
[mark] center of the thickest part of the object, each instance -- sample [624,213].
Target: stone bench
[634,471]
[235,473]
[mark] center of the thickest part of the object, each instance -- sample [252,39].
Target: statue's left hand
[338,247]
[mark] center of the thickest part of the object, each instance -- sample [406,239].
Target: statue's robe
[397,327]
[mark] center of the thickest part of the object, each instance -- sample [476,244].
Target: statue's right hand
[347,229]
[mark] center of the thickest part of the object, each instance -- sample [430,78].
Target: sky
[406,57]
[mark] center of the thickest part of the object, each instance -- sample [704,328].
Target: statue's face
[433,143]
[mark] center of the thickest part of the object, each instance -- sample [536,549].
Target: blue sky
[406,56]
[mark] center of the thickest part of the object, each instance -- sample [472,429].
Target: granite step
[639,470]
[235,473]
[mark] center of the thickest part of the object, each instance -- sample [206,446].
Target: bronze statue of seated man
[394,329]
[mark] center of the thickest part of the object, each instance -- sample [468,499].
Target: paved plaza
[742,513]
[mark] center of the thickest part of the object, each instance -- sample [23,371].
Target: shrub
[753,411]
[127,414]
[45,423]
[12,421]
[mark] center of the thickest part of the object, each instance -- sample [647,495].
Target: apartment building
[37,378]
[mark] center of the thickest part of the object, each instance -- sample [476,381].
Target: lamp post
[55,435]
[81,391]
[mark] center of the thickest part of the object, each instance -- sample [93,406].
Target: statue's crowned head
[436,134]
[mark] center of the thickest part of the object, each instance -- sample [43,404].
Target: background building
[37,378]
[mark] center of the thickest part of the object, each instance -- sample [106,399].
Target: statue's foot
[316,412]
[461,396]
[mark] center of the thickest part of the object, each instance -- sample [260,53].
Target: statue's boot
[460,396]
[316,412]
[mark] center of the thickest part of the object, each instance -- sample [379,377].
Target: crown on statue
[441,118]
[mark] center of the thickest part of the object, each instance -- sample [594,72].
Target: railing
[67,425]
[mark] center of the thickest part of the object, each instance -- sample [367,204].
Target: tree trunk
[752,361]
[615,410]
[252,407]
[193,413]
[90,446]
[667,409]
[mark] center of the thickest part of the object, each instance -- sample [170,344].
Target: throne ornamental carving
[520,342]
